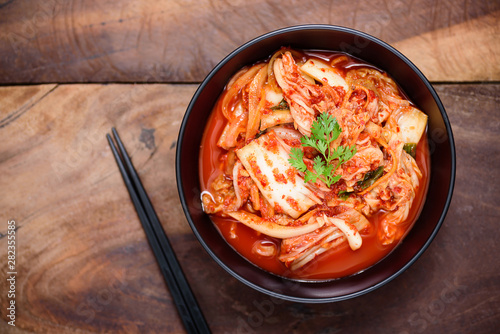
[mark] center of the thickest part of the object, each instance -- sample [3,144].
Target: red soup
[314,164]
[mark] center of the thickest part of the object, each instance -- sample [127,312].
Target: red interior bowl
[413,83]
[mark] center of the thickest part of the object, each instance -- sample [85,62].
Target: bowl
[413,83]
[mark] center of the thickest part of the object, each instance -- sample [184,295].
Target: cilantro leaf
[308,176]
[322,147]
[324,131]
[308,141]
[319,165]
[297,159]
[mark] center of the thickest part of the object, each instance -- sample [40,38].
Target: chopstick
[184,299]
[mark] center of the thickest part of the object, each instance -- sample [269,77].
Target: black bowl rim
[362,35]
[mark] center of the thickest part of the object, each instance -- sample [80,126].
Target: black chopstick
[183,297]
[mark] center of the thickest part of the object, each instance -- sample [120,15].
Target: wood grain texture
[84,265]
[137,41]
[469,51]
[77,228]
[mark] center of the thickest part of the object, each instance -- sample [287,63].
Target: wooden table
[70,70]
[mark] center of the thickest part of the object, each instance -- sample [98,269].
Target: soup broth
[340,260]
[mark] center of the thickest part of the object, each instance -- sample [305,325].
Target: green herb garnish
[325,129]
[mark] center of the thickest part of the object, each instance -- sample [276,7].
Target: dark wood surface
[172,41]
[83,262]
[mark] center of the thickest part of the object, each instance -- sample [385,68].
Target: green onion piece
[411,149]
[283,105]
[371,177]
[344,194]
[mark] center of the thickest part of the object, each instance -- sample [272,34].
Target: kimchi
[313,154]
